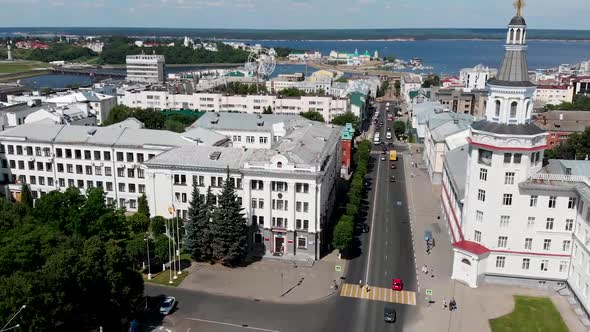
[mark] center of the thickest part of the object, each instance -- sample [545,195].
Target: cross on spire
[519,5]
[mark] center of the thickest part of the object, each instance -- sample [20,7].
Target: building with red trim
[560,124]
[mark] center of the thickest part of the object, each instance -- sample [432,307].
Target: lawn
[531,314]
[163,278]
[17,67]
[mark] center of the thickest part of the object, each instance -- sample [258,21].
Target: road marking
[373,222]
[230,324]
[380,294]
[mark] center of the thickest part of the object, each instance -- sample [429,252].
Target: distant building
[459,101]
[408,83]
[147,68]
[346,143]
[585,67]
[476,77]
[95,46]
[553,94]
[560,124]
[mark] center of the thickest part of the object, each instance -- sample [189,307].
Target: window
[477,236]
[261,220]
[509,178]
[507,199]
[507,158]
[563,266]
[141,188]
[481,195]
[96,155]
[279,186]
[129,157]
[254,220]
[485,157]
[140,158]
[10,149]
[98,170]
[517,158]
[87,155]
[256,184]
[79,169]
[483,174]
[547,244]
[263,140]
[130,173]
[305,207]
[62,182]
[502,241]
[107,155]
[121,172]
[132,190]
[533,201]
[78,154]
[280,204]
[250,139]
[279,222]
[569,225]
[237,138]
[109,186]
[180,179]
[566,245]
[526,263]
[71,183]
[298,206]
[549,224]
[500,262]
[498,106]
[513,108]
[29,150]
[571,203]
[32,180]
[132,204]
[302,188]
[504,221]
[19,150]
[80,183]
[107,171]
[528,243]
[120,156]
[302,243]
[198,180]
[479,216]
[531,222]
[254,201]
[121,187]
[544,265]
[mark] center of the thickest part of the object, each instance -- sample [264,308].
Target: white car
[388,135]
[168,305]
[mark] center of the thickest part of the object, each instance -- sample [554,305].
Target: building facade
[553,94]
[145,68]
[476,77]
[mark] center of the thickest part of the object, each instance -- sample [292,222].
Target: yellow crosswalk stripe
[378,294]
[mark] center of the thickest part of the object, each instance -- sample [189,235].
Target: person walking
[425,269]
[361,283]
[444,304]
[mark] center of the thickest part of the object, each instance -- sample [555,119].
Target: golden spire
[519,5]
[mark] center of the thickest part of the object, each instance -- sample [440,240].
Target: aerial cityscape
[275,166]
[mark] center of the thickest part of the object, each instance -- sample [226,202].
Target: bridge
[96,72]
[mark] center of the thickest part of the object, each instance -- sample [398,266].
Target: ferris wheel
[261,62]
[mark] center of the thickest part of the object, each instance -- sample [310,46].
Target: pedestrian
[361,283]
[432,273]
[424,269]
[427,250]
[444,304]
[367,286]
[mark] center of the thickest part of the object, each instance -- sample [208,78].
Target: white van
[388,135]
[376,138]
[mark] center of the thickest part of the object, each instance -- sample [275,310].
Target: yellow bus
[392,155]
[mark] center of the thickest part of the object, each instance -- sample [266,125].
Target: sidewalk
[268,280]
[475,306]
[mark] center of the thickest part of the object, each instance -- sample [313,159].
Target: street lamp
[11,318]
[147,245]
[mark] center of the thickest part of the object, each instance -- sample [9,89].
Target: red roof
[472,247]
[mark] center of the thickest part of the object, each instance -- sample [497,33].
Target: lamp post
[147,246]
[11,318]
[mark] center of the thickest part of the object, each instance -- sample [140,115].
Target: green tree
[345,118]
[431,80]
[229,231]
[162,248]
[142,206]
[138,223]
[313,116]
[292,92]
[26,198]
[157,226]
[198,232]
[136,249]
[577,147]
[399,128]
[342,79]
[343,233]
[267,110]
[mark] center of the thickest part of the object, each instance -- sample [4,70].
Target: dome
[517,20]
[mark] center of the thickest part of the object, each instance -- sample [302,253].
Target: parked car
[383,157]
[389,314]
[397,284]
[393,166]
[392,179]
[168,305]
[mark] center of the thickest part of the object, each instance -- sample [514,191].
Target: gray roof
[240,121]
[456,165]
[514,69]
[507,129]
[105,136]
[576,167]
[205,136]
[440,133]
[128,123]
[200,156]
[25,107]
[517,20]
[573,121]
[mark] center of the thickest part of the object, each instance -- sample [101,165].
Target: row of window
[485,158]
[528,242]
[73,153]
[526,264]
[507,200]
[549,225]
[300,224]
[280,186]
[508,176]
[250,139]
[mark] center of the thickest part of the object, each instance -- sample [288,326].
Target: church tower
[504,150]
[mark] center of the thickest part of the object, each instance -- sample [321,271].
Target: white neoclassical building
[512,216]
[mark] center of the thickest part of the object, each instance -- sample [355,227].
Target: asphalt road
[386,252]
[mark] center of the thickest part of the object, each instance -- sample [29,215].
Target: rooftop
[201,156]
[456,165]
[241,121]
[507,129]
[564,121]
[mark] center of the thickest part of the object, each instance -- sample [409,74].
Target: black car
[389,314]
[365,228]
[392,179]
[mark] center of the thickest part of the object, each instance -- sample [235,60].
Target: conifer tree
[229,229]
[26,197]
[142,206]
[198,233]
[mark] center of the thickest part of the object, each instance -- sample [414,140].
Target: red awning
[472,247]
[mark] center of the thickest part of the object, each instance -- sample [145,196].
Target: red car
[393,166]
[397,284]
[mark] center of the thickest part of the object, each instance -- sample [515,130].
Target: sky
[292,14]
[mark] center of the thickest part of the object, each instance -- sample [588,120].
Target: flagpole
[170,268]
[178,240]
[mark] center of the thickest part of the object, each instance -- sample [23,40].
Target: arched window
[465,261]
[279,165]
[518,31]
[513,107]
[511,36]
[498,105]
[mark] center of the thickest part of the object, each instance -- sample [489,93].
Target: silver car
[167,305]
